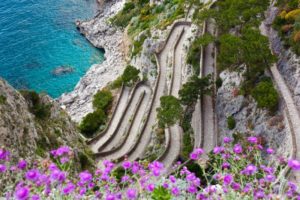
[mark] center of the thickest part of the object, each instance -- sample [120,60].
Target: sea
[39,36]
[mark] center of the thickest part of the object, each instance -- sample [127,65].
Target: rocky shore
[102,35]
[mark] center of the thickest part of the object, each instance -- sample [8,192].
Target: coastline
[101,34]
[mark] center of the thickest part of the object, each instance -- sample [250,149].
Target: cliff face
[30,131]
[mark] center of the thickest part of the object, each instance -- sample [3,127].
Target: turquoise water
[36,36]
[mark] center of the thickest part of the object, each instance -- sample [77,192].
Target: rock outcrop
[103,35]
[27,136]
[249,118]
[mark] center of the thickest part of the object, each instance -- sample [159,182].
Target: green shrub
[2,99]
[91,122]
[169,112]
[161,193]
[36,106]
[130,75]
[102,100]
[266,95]
[116,83]
[219,82]
[231,123]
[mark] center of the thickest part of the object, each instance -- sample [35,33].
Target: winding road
[99,140]
[203,120]
[175,132]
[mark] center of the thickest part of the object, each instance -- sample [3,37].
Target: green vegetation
[102,100]
[188,143]
[130,75]
[231,123]
[161,193]
[91,122]
[193,57]
[40,110]
[194,88]
[266,95]
[170,111]
[287,23]
[139,15]
[138,44]
[2,99]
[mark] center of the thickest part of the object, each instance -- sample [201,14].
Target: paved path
[126,119]
[162,60]
[114,123]
[174,145]
[209,131]
[134,130]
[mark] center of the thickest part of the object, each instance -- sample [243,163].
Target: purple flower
[228,179]
[58,175]
[70,187]
[237,149]
[175,191]
[22,193]
[226,165]
[151,187]
[32,175]
[131,193]
[269,178]
[249,170]
[85,177]
[269,151]
[61,151]
[2,168]
[294,164]
[193,156]
[126,164]
[199,151]
[218,150]
[192,189]
[4,154]
[252,140]
[235,186]
[35,197]
[172,179]
[227,140]
[22,164]
[110,197]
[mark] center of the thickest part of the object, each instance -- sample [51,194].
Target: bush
[36,106]
[170,111]
[130,75]
[102,100]
[266,95]
[2,99]
[219,82]
[91,122]
[231,123]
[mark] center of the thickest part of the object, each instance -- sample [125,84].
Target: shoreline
[102,35]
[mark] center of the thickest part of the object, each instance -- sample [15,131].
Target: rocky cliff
[31,126]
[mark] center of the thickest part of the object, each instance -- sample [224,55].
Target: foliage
[193,57]
[266,95]
[194,89]
[188,143]
[161,193]
[219,82]
[287,23]
[102,100]
[130,75]
[2,99]
[169,112]
[235,170]
[91,122]
[40,110]
[230,122]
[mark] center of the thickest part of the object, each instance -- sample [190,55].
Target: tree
[170,111]
[102,99]
[266,95]
[91,122]
[194,89]
[130,75]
